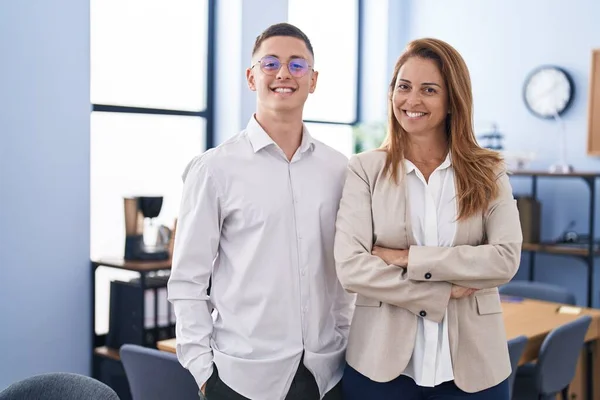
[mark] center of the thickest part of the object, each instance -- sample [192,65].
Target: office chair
[156,375]
[556,363]
[58,386]
[516,347]
[538,291]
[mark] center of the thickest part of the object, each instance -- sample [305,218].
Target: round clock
[548,91]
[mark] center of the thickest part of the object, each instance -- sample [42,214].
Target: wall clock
[548,91]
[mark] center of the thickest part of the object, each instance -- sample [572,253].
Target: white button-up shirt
[433,209]
[263,227]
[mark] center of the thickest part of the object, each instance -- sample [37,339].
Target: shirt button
[422,313]
[302,272]
[428,276]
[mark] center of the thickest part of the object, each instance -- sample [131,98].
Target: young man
[258,216]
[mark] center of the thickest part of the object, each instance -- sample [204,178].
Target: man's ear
[313,81]
[250,79]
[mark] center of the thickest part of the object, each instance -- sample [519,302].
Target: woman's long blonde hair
[475,168]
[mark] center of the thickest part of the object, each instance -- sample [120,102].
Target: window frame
[208,112]
[359,63]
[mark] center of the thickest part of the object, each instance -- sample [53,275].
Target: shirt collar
[259,139]
[410,167]
[307,143]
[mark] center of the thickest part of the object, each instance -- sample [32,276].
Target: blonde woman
[426,231]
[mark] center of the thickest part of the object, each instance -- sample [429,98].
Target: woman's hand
[400,259]
[391,256]
[458,292]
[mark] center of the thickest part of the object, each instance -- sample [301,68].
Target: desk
[534,319]
[166,345]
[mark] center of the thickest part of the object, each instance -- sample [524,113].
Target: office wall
[502,41]
[44,188]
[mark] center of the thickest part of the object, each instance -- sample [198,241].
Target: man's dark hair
[282,29]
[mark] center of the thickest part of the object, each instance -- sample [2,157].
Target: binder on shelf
[530,218]
[125,313]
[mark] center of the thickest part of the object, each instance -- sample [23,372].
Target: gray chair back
[58,386]
[558,357]
[516,347]
[538,291]
[156,375]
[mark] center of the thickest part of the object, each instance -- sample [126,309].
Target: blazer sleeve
[485,266]
[361,272]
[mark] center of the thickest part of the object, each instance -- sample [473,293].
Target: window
[151,94]
[149,53]
[149,89]
[137,154]
[337,55]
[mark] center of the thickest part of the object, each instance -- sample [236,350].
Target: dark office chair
[516,347]
[538,291]
[556,363]
[58,386]
[156,375]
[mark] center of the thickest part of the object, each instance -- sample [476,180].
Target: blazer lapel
[410,237]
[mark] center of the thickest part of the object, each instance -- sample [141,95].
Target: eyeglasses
[270,65]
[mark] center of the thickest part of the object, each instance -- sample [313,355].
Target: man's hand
[458,292]
[391,256]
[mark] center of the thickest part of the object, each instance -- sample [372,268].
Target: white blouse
[433,210]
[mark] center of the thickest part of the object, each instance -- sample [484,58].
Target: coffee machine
[143,241]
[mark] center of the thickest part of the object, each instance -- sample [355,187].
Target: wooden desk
[534,319]
[166,345]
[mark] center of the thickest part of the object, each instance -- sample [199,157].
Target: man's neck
[284,129]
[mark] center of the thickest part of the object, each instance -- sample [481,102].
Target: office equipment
[144,241]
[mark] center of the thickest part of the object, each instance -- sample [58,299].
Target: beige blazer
[486,254]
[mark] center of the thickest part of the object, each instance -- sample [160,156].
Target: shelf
[581,174]
[586,253]
[557,249]
[139,266]
[107,352]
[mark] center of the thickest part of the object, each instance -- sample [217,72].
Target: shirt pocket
[363,301]
[488,303]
